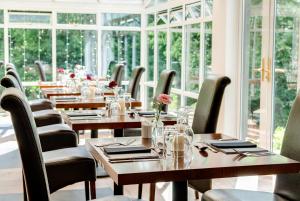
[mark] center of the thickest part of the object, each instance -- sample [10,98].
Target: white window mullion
[54,64]
[6,38]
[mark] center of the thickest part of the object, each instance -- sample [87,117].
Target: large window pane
[150,20]
[162,51]
[162,18]
[1,17]
[176,54]
[28,45]
[29,17]
[150,56]
[193,11]
[77,47]
[76,18]
[192,57]
[121,19]
[176,101]
[1,51]
[176,15]
[207,48]
[208,8]
[120,46]
[150,94]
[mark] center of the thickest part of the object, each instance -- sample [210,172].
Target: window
[176,15]
[176,54]
[76,18]
[176,102]
[162,18]
[77,47]
[150,94]
[192,57]
[29,17]
[162,51]
[150,20]
[1,50]
[207,48]
[150,56]
[1,17]
[193,11]
[121,19]
[28,45]
[120,46]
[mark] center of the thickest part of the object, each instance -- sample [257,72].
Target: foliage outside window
[1,51]
[77,47]
[162,51]
[76,18]
[176,102]
[150,55]
[176,54]
[30,17]
[150,94]
[162,18]
[28,45]
[192,57]
[150,20]
[176,15]
[121,46]
[121,19]
[207,48]
[1,17]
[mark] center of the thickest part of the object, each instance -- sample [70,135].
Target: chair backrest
[10,81]
[287,185]
[164,85]
[41,70]
[111,67]
[15,74]
[134,82]
[34,172]
[118,74]
[209,103]
[10,66]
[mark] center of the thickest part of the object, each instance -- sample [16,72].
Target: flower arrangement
[161,100]
[89,77]
[61,70]
[72,75]
[112,84]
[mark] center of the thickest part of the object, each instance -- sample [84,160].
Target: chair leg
[87,190]
[93,189]
[140,191]
[152,192]
[24,189]
[196,195]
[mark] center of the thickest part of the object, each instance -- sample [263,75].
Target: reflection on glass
[162,51]
[176,102]
[121,19]
[76,18]
[207,48]
[176,54]
[120,46]
[150,57]
[162,18]
[208,8]
[28,45]
[25,17]
[286,65]
[176,15]
[192,57]
[150,94]
[193,11]
[77,47]
[150,20]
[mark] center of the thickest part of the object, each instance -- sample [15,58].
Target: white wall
[226,60]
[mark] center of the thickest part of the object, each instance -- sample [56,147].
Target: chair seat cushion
[114,198]
[68,166]
[57,136]
[40,104]
[239,195]
[46,117]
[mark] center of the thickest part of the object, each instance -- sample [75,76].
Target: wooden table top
[212,165]
[113,122]
[49,92]
[80,102]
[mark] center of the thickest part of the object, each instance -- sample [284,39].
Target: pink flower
[89,77]
[72,75]
[164,99]
[60,70]
[112,84]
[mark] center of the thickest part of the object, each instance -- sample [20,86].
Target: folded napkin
[82,114]
[126,150]
[132,157]
[148,113]
[233,144]
[66,99]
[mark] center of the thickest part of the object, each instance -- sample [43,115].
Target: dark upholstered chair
[41,70]
[206,116]
[43,117]
[287,185]
[164,85]
[134,82]
[118,74]
[46,172]
[10,66]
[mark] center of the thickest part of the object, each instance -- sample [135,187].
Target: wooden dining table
[49,92]
[81,102]
[178,171]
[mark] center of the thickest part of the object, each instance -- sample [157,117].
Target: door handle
[268,71]
[263,69]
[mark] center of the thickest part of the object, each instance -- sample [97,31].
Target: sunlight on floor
[7,147]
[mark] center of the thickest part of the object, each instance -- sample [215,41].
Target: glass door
[256,71]
[270,69]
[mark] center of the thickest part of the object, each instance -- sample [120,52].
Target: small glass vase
[158,141]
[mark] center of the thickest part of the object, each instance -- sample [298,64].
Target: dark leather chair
[206,116]
[41,71]
[164,85]
[287,185]
[118,74]
[10,66]
[134,82]
[43,117]
[46,172]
